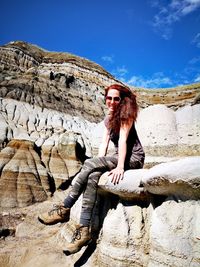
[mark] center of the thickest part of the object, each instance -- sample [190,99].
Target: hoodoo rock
[23,178]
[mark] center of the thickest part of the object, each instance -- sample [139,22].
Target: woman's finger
[112,178]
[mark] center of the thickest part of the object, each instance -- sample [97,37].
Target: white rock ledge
[179,178]
[129,188]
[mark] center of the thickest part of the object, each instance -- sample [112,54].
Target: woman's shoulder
[106,121]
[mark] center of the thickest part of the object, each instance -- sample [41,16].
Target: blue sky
[145,43]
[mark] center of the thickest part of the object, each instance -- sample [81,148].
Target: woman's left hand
[116,175]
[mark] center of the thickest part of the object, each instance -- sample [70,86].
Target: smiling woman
[123,105]
[119,127]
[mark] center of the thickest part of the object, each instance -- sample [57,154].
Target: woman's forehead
[113,92]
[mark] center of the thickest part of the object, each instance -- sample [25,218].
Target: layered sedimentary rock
[23,178]
[71,84]
[51,111]
[40,91]
[173,98]
[58,81]
[157,232]
[59,142]
[63,141]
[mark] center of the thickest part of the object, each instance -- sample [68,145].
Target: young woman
[119,127]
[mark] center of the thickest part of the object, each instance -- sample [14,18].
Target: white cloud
[157,80]
[194,60]
[172,13]
[190,6]
[197,79]
[108,59]
[120,72]
[196,40]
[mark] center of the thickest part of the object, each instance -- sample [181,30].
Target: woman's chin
[111,110]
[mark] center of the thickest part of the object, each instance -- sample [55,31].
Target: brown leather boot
[81,237]
[57,214]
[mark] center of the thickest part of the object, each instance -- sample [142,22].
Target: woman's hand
[116,175]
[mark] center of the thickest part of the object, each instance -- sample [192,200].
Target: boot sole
[51,223]
[67,252]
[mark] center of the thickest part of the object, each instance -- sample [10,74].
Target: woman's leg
[89,198]
[96,164]
[93,168]
[62,212]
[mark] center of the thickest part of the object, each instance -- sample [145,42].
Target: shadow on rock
[86,255]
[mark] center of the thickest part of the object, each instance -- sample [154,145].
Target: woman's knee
[94,176]
[91,162]
[88,161]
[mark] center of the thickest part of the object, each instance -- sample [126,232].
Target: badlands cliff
[51,110]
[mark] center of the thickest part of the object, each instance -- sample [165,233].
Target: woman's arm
[118,172]
[104,143]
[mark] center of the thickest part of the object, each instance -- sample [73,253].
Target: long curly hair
[127,110]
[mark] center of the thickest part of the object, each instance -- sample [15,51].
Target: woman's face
[112,100]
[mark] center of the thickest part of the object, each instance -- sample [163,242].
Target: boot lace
[76,235]
[56,208]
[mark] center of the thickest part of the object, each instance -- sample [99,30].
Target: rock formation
[26,75]
[137,233]
[23,178]
[51,110]
[180,179]
[170,133]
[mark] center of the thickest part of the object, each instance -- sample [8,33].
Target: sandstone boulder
[180,178]
[128,188]
[175,234]
[169,133]
[125,237]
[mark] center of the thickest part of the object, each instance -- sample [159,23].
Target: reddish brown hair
[128,108]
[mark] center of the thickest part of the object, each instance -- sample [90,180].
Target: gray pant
[87,182]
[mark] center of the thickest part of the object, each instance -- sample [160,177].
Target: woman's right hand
[116,175]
